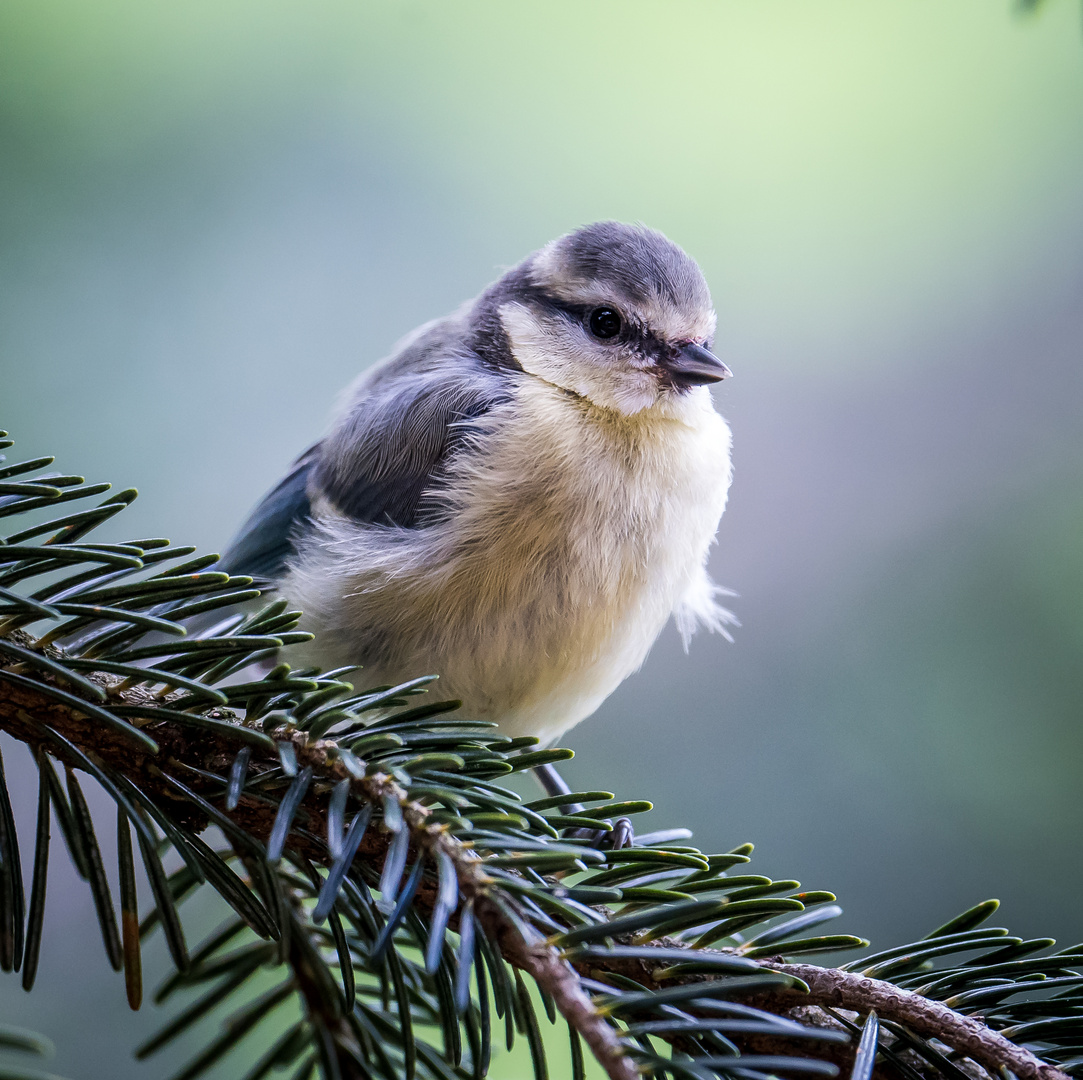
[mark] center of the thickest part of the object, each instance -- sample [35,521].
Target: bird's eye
[604,323]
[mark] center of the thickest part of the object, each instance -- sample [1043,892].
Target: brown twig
[929,1019]
[835,989]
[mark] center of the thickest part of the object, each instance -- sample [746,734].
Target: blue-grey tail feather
[268,539]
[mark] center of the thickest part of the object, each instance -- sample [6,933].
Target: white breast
[571,541]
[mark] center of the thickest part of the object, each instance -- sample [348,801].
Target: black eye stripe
[631,332]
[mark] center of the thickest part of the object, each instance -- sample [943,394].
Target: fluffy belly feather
[550,579]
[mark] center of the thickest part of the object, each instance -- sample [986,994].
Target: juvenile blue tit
[521,496]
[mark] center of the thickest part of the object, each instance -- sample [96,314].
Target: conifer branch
[370,836]
[23,707]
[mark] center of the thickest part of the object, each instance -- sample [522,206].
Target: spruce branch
[25,710]
[368,833]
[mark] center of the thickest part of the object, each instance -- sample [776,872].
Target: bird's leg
[554,784]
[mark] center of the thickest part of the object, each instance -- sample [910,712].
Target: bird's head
[614,313]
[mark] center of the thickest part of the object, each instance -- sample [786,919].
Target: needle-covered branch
[374,859]
[26,713]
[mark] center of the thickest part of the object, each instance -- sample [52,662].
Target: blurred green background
[212,215]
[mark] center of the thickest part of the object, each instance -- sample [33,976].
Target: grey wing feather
[385,458]
[268,539]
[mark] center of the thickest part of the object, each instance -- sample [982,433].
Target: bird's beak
[693,365]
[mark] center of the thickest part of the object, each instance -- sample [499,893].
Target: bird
[522,495]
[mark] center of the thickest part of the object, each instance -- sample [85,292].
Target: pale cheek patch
[543,351]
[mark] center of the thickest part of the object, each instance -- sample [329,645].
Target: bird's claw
[622,835]
[617,835]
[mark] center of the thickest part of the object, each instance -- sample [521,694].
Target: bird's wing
[387,455]
[383,463]
[267,539]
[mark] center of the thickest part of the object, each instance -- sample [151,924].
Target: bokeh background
[213,215]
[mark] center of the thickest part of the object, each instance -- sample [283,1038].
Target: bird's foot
[620,833]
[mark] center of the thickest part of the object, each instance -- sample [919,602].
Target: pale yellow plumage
[551,579]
